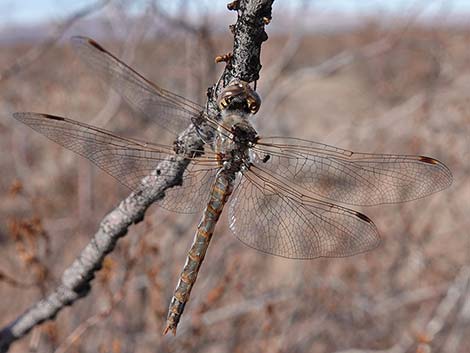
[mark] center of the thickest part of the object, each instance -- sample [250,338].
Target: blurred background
[372,76]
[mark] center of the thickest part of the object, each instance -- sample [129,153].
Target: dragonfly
[280,191]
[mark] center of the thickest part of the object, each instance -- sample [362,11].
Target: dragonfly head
[239,95]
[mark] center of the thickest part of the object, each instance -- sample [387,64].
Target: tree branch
[76,280]
[249,35]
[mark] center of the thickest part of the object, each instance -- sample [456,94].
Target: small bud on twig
[233,6]
[223,58]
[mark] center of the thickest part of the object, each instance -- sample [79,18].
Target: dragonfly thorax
[236,137]
[236,129]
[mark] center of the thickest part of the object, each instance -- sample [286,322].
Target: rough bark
[249,33]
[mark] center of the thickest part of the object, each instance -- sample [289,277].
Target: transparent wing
[276,219]
[171,111]
[350,177]
[128,160]
[194,193]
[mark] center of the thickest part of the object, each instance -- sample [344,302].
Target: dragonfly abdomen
[220,191]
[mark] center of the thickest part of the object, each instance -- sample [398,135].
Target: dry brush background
[400,88]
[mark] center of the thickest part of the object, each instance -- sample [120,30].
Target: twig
[95,319]
[454,293]
[462,324]
[36,52]
[76,280]
[249,35]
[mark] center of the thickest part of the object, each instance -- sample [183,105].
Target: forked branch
[249,33]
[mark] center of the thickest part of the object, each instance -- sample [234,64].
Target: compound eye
[227,100]
[253,106]
[224,101]
[254,102]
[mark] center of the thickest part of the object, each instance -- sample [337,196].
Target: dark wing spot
[364,217]
[53,117]
[428,160]
[100,48]
[96,45]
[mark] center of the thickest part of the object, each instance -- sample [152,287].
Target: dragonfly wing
[127,160]
[350,177]
[270,217]
[171,111]
[193,195]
